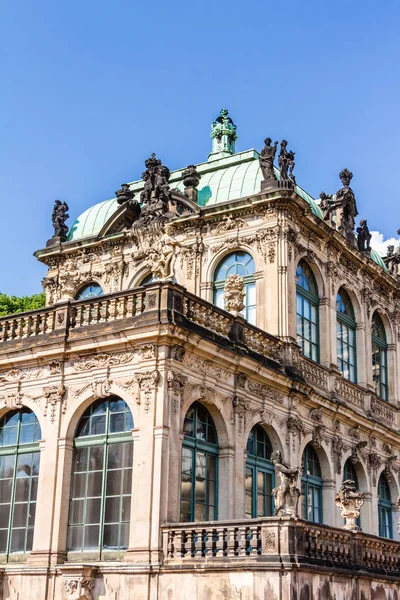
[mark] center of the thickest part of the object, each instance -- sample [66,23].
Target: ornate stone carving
[177,353]
[382,411]
[230,222]
[337,449]
[54,396]
[239,409]
[373,462]
[318,427]
[147,382]
[295,429]
[79,589]
[163,259]
[346,207]
[176,383]
[96,361]
[263,391]
[266,159]
[286,494]
[349,392]
[124,194]
[147,351]
[350,500]
[234,294]
[268,540]
[156,192]
[364,237]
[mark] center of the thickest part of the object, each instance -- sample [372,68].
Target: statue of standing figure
[266,159]
[164,258]
[364,237]
[286,164]
[286,494]
[59,216]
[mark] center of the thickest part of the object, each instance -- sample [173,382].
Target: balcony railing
[162,301]
[278,540]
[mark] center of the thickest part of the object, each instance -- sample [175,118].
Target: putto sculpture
[364,237]
[124,194]
[350,500]
[156,192]
[163,258]
[392,260]
[286,494]
[341,210]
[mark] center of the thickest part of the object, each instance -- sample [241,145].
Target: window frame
[312,483]
[104,440]
[207,448]
[257,464]
[90,284]
[312,298]
[19,449]
[385,509]
[380,342]
[350,323]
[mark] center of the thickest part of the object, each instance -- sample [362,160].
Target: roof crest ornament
[223,135]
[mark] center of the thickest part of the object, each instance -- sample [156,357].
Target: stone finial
[234,294]
[286,494]
[124,194]
[223,135]
[58,217]
[350,500]
[191,179]
[364,237]
[345,177]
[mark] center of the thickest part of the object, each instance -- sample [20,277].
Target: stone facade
[165,345]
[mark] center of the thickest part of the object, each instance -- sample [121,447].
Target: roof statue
[223,135]
[191,180]
[341,210]
[156,192]
[266,159]
[124,194]
[392,260]
[364,237]
[286,164]
[58,217]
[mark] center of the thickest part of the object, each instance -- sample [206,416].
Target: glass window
[346,336]
[384,508]
[260,477]
[147,279]
[199,472]
[19,474]
[101,486]
[307,311]
[379,357]
[237,263]
[91,290]
[311,486]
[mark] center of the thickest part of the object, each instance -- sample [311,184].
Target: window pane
[18,540]
[5,490]
[113,509]
[79,485]
[92,536]
[4,515]
[75,538]
[76,511]
[113,486]
[94,483]
[93,510]
[20,515]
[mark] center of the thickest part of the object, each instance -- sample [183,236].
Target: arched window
[237,263]
[307,302]
[199,474]
[90,290]
[379,357]
[100,502]
[148,279]
[384,508]
[19,473]
[349,472]
[259,475]
[346,336]
[312,486]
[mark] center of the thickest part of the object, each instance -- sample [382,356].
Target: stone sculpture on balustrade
[350,500]
[286,494]
[234,294]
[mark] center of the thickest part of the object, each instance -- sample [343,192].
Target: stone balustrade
[277,540]
[163,301]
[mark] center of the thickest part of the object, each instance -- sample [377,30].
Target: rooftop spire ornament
[223,135]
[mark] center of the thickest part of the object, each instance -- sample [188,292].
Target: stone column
[65,448]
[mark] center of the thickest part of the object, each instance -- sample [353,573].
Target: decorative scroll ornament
[176,383]
[286,494]
[350,500]
[234,294]
[78,589]
[54,396]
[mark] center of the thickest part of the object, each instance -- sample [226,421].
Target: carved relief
[147,351]
[176,383]
[54,396]
[95,361]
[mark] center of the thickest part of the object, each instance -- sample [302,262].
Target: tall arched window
[199,474]
[237,263]
[100,502]
[346,336]
[384,508]
[312,486]
[90,290]
[259,474]
[379,357]
[19,473]
[307,302]
[349,472]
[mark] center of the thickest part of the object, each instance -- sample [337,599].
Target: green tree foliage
[12,304]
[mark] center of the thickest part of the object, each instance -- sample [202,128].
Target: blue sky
[91,88]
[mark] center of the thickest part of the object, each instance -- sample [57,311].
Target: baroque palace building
[208,405]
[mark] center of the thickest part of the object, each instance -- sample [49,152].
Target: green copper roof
[222,180]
